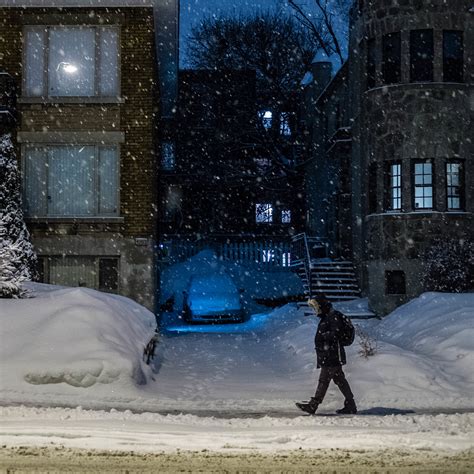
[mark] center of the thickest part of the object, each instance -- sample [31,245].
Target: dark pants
[332,373]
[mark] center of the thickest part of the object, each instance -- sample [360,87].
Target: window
[371,64]
[421,55]
[286,216]
[71,181]
[423,185]
[394,187]
[454,187]
[173,204]
[453,52]
[100,273]
[395,282]
[391,58]
[285,125]
[266,116]
[372,188]
[168,155]
[263,213]
[73,61]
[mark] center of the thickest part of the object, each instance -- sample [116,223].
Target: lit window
[453,52]
[266,116]
[454,186]
[168,155]
[286,216]
[394,187]
[71,180]
[421,55]
[423,185]
[263,213]
[391,58]
[71,61]
[285,126]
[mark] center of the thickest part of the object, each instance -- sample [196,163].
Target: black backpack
[347,331]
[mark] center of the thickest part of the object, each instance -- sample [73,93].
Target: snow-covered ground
[231,390]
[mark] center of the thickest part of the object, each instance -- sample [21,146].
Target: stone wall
[404,122]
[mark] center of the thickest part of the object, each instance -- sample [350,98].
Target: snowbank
[76,336]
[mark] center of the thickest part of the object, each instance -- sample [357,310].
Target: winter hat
[323,301]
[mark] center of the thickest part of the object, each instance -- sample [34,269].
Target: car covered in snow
[212,299]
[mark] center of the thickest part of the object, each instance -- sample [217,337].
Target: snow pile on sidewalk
[435,325]
[77,336]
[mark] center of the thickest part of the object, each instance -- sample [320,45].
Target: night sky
[192,11]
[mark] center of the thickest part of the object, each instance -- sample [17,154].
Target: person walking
[331,336]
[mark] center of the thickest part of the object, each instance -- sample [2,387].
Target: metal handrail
[306,261]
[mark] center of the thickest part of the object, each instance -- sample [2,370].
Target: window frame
[386,68]
[266,122]
[461,186]
[285,216]
[417,64]
[372,178]
[44,264]
[168,155]
[415,185]
[391,287]
[371,64]
[444,59]
[46,148]
[270,208]
[389,187]
[46,28]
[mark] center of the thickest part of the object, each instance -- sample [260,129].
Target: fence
[269,252]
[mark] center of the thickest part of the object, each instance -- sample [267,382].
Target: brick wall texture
[134,117]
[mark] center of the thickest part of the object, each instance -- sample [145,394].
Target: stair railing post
[307,264]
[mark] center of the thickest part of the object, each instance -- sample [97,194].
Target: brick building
[89,103]
[391,142]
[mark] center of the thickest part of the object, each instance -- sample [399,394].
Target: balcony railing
[268,252]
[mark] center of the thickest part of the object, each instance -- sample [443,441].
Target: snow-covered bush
[367,343]
[449,266]
[17,257]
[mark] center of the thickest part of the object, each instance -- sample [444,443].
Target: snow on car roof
[212,283]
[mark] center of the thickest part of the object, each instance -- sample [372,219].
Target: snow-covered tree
[17,257]
[449,266]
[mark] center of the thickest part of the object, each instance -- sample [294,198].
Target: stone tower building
[410,123]
[412,155]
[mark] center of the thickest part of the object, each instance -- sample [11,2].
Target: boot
[349,408]
[308,407]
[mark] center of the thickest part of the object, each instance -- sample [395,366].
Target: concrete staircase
[335,278]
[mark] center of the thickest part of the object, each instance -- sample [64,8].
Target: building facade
[221,179]
[409,119]
[88,105]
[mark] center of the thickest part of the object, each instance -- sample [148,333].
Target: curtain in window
[108,68]
[71,181]
[73,271]
[108,180]
[34,61]
[35,182]
[72,62]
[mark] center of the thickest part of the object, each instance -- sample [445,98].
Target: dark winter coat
[329,352]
